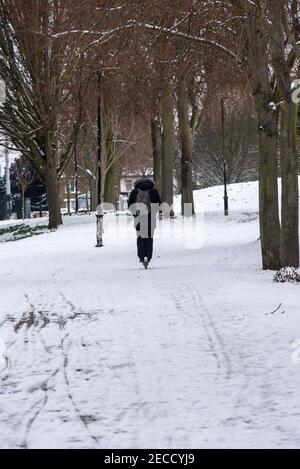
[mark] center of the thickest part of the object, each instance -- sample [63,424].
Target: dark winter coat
[145,184]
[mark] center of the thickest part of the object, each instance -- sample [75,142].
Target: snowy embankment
[201,350]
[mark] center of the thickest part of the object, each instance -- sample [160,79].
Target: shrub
[287,274]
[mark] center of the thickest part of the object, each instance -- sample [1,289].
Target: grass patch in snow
[21,231]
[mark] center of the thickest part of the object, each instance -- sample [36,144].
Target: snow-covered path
[98,353]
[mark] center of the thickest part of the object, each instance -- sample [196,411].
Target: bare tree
[284,22]
[240,143]
[236,30]
[44,49]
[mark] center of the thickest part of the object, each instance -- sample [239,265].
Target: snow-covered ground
[198,351]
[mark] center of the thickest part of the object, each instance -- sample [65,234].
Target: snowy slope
[96,352]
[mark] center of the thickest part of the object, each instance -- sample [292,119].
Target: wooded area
[160,73]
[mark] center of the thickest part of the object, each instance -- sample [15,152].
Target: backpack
[143,197]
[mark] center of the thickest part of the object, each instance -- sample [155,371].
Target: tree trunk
[289,184]
[110,167]
[168,141]
[263,95]
[68,195]
[51,181]
[156,145]
[110,195]
[268,199]
[186,137]
[288,137]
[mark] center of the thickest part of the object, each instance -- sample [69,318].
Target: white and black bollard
[99,226]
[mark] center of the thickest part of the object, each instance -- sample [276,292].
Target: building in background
[127,184]
[67,191]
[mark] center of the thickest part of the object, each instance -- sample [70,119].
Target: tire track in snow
[31,320]
[80,415]
[28,329]
[209,323]
[179,306]
[238,401]
[215,341]
[42,404]
[70,395]
[34,315]
[180,298]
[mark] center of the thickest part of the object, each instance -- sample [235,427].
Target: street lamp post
[99,213]
[75,168]
[7,182]
[226,211]
[7,167]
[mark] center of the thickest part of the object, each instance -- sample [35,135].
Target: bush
[287,274]
[21,231]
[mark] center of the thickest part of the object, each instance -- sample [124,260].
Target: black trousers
[144,247]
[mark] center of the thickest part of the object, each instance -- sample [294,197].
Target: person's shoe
[145,262]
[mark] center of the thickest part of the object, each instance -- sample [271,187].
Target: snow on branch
[154,27]
[179,34]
